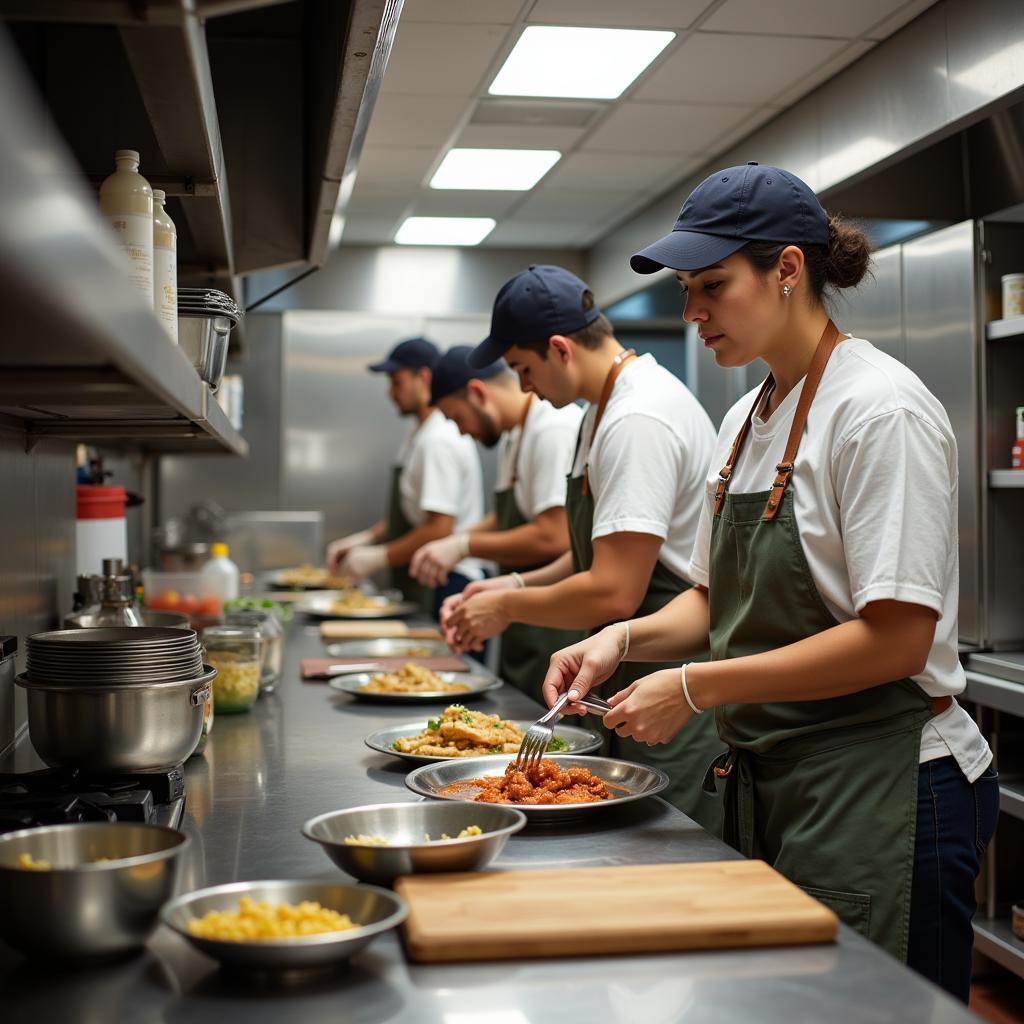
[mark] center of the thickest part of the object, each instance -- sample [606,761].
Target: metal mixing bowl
[375,910]
[116,727]
[404,826]
[81,908]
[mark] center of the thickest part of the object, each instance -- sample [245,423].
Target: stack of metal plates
[113,654]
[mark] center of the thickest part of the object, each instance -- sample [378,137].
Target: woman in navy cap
[827,570]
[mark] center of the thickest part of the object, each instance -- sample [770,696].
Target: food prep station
[299,753]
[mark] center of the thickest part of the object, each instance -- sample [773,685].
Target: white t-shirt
[441,473]
[544,457]
[875,496]
[649,460]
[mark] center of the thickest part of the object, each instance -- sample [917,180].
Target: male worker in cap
[436,486]
[634,497]
[528,527]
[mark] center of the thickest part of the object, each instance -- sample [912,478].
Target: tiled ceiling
[733,65]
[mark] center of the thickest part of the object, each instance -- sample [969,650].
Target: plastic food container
[1013,294]
[183,592]
[236,653]
[266,621]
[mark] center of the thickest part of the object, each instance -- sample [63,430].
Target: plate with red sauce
[567,786]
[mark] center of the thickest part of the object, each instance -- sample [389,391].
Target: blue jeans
[955,821]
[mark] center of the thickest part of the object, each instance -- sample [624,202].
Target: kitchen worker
[528,527]
[633,499]
[826,562]
[436,487]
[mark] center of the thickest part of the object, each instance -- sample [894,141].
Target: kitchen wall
[37,553]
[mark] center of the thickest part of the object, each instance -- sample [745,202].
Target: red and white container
[100,528]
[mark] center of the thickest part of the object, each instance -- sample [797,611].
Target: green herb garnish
[434,724]
[557,744]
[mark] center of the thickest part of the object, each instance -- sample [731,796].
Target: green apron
[526,650]
[398,526]
[825,791]
[685,758]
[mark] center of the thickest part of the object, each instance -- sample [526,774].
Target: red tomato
[209,606]
[168,600]
[190,604]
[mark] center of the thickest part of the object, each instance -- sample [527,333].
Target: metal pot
[122,727]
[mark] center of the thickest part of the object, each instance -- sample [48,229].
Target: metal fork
[539,735]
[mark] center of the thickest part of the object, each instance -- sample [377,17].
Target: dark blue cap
[748,203]
[413,354]
[453,372]
[532,306]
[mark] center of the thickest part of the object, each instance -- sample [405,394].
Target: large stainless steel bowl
[81,908]
[116,727]
[375,910]
[405,827]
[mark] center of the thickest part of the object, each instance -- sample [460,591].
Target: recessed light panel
[444,230]
[584,63]
[505,170]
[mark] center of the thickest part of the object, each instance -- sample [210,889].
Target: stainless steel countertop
[301,752]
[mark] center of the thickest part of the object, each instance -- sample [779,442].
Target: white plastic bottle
[165,266]
[220,574]
[126,200]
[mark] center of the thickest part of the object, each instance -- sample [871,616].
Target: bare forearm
[401,550]
[677,631]
[528,544]
[847,658]
[488,523]
[582,601]
[558,570]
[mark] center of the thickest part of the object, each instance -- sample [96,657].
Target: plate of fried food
[416,684]
[306,577]
[459,732]
[353,603]
[562,787]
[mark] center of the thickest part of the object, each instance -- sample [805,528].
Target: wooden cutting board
[358,629]
[495,915]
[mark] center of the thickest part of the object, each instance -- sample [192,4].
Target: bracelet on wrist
[463,542]
[686,692]
[625,646]
[517,579]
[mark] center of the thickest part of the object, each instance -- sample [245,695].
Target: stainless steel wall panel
[874,310]
[940,317]
[985,53]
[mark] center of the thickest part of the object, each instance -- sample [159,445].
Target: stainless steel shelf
[994,937]
[1005,478]
[81,355]
[1011,796]
[1011,327]
[998,694]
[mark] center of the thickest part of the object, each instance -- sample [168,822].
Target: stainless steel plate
[384,606]
[477,683]
[389,647]
[375,910]
[579,741]
[627,780]
[282,578]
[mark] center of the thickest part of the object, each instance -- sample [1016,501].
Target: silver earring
[786,290]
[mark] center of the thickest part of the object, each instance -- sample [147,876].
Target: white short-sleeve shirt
[875,496]
[441,473]
[648,460]
[545,455]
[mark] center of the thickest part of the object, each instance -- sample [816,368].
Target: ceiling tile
[457,203]
[391,165]
[369,230]
[764,66]
[369,200]
[489,12]
[663,127]
[515,136]
[903,16]
[853,52]
[414,120]
[534,234]
[616,14]
[798,17]
[578,206]
[441,60]
[596,171]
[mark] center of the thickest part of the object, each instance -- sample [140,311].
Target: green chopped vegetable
[497,748]
[434,724]
[558,744]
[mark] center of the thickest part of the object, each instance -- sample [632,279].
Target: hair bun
[849,254]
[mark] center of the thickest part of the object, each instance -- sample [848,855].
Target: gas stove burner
[54,796]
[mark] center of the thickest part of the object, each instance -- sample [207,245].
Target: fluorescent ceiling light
[582,63]
[505,170]
[444,230]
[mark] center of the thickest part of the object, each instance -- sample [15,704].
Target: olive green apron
[684,759]
[398,526]
[825,791]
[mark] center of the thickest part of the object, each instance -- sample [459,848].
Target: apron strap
[606,392]
[522,432]
[784,470]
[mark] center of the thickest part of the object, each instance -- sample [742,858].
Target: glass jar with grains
[236,653]
[269,626]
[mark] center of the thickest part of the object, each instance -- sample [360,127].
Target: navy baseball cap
[532,306]
[453,372]
[413,354]
[749,203]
